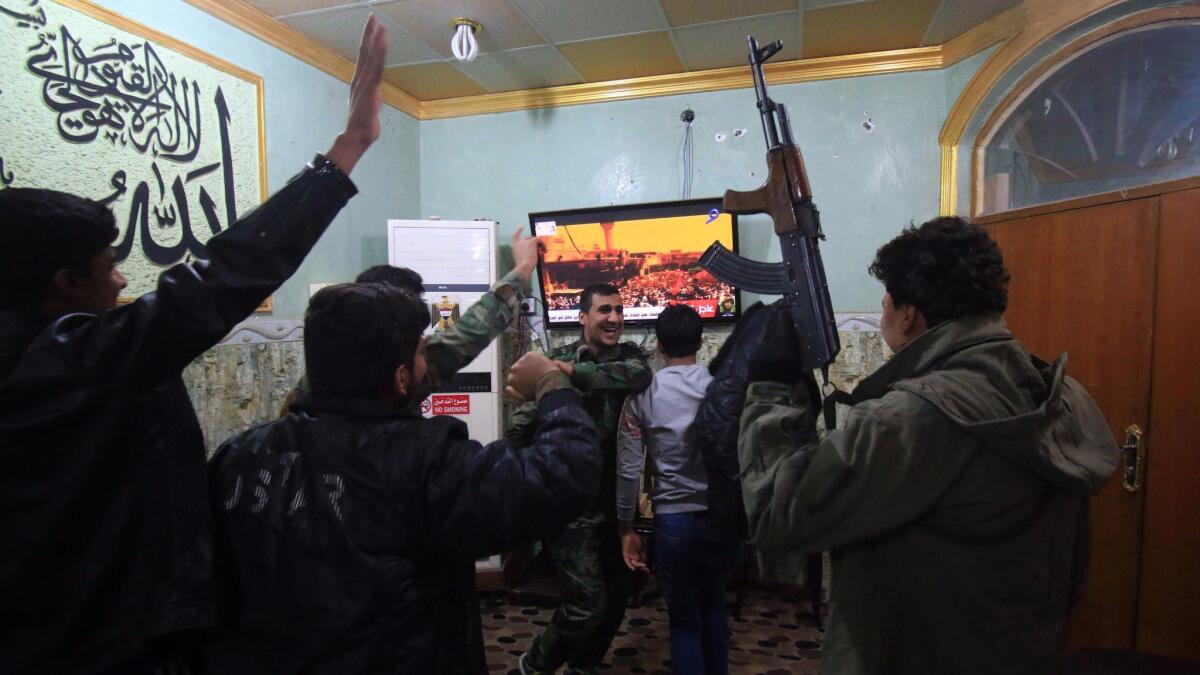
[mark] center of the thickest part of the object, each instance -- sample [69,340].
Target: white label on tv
[545,228]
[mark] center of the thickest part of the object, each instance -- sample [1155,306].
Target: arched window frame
[1029,82]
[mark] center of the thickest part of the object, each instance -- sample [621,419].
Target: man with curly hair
[954,498]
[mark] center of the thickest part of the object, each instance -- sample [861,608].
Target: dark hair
[679,329]
[45,231]
[357,335]
[400,277]
[947,268]
[592,290]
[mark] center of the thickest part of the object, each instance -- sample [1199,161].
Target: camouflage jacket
[603,380]
[448,351]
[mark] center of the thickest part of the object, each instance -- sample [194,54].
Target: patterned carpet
[769,638]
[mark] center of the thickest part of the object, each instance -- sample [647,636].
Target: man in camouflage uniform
[447,351]
[594,582]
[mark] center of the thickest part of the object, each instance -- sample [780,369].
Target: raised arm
[449,351]
[196,304]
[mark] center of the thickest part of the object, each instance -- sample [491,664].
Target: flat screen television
[648,251]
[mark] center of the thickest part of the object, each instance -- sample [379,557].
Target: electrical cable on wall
[687,117]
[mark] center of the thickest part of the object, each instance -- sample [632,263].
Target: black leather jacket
[104,511]
[350,530]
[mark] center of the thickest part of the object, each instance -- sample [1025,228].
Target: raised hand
[362,123]
[525,253]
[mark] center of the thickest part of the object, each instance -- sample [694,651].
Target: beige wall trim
[1038,20]
[262,26]
[806,70]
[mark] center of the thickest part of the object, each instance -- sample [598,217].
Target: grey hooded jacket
[953,499]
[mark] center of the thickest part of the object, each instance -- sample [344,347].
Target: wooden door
[1083,282]
[1168,620]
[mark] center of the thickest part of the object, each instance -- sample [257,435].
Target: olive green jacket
[953,500]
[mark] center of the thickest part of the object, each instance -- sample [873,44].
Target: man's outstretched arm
[196,304]
[449,351]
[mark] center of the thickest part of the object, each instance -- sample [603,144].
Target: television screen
[648,251]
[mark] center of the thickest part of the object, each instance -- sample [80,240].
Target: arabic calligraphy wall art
[169,137]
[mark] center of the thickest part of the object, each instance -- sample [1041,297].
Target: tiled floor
[769,638]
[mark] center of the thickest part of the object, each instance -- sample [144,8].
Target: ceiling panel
[341,31]
[866,27]
[723,44]
[818,4]
[503,27]
[531,68]
[623,57]
[572,20]
[955,18]
[532,44]
[281,7]
[688,12]
[429,81]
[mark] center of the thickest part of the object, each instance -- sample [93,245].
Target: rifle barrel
[766,107]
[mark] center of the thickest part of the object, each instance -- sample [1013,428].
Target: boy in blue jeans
[692,572]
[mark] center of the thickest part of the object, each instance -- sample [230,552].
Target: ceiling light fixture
[463,44]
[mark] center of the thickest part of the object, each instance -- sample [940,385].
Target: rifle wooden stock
[787,184]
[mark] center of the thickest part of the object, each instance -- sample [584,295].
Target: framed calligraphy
[171,138]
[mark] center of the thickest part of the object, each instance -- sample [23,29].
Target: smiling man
[587,555]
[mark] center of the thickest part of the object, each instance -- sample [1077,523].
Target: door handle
[1133,456]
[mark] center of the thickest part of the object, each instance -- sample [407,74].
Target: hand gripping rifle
[787,198]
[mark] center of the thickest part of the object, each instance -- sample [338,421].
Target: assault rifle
[787,198]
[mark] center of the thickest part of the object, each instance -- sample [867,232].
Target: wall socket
[528,307]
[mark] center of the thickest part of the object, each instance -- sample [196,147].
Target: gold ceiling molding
[1036,21]
[264,27]
[1021,28]
[995,30]
[277,34]
[788,72]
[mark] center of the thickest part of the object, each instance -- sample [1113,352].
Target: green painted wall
[305,109]
[868,184]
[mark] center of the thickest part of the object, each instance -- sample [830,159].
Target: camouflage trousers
[595,587]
